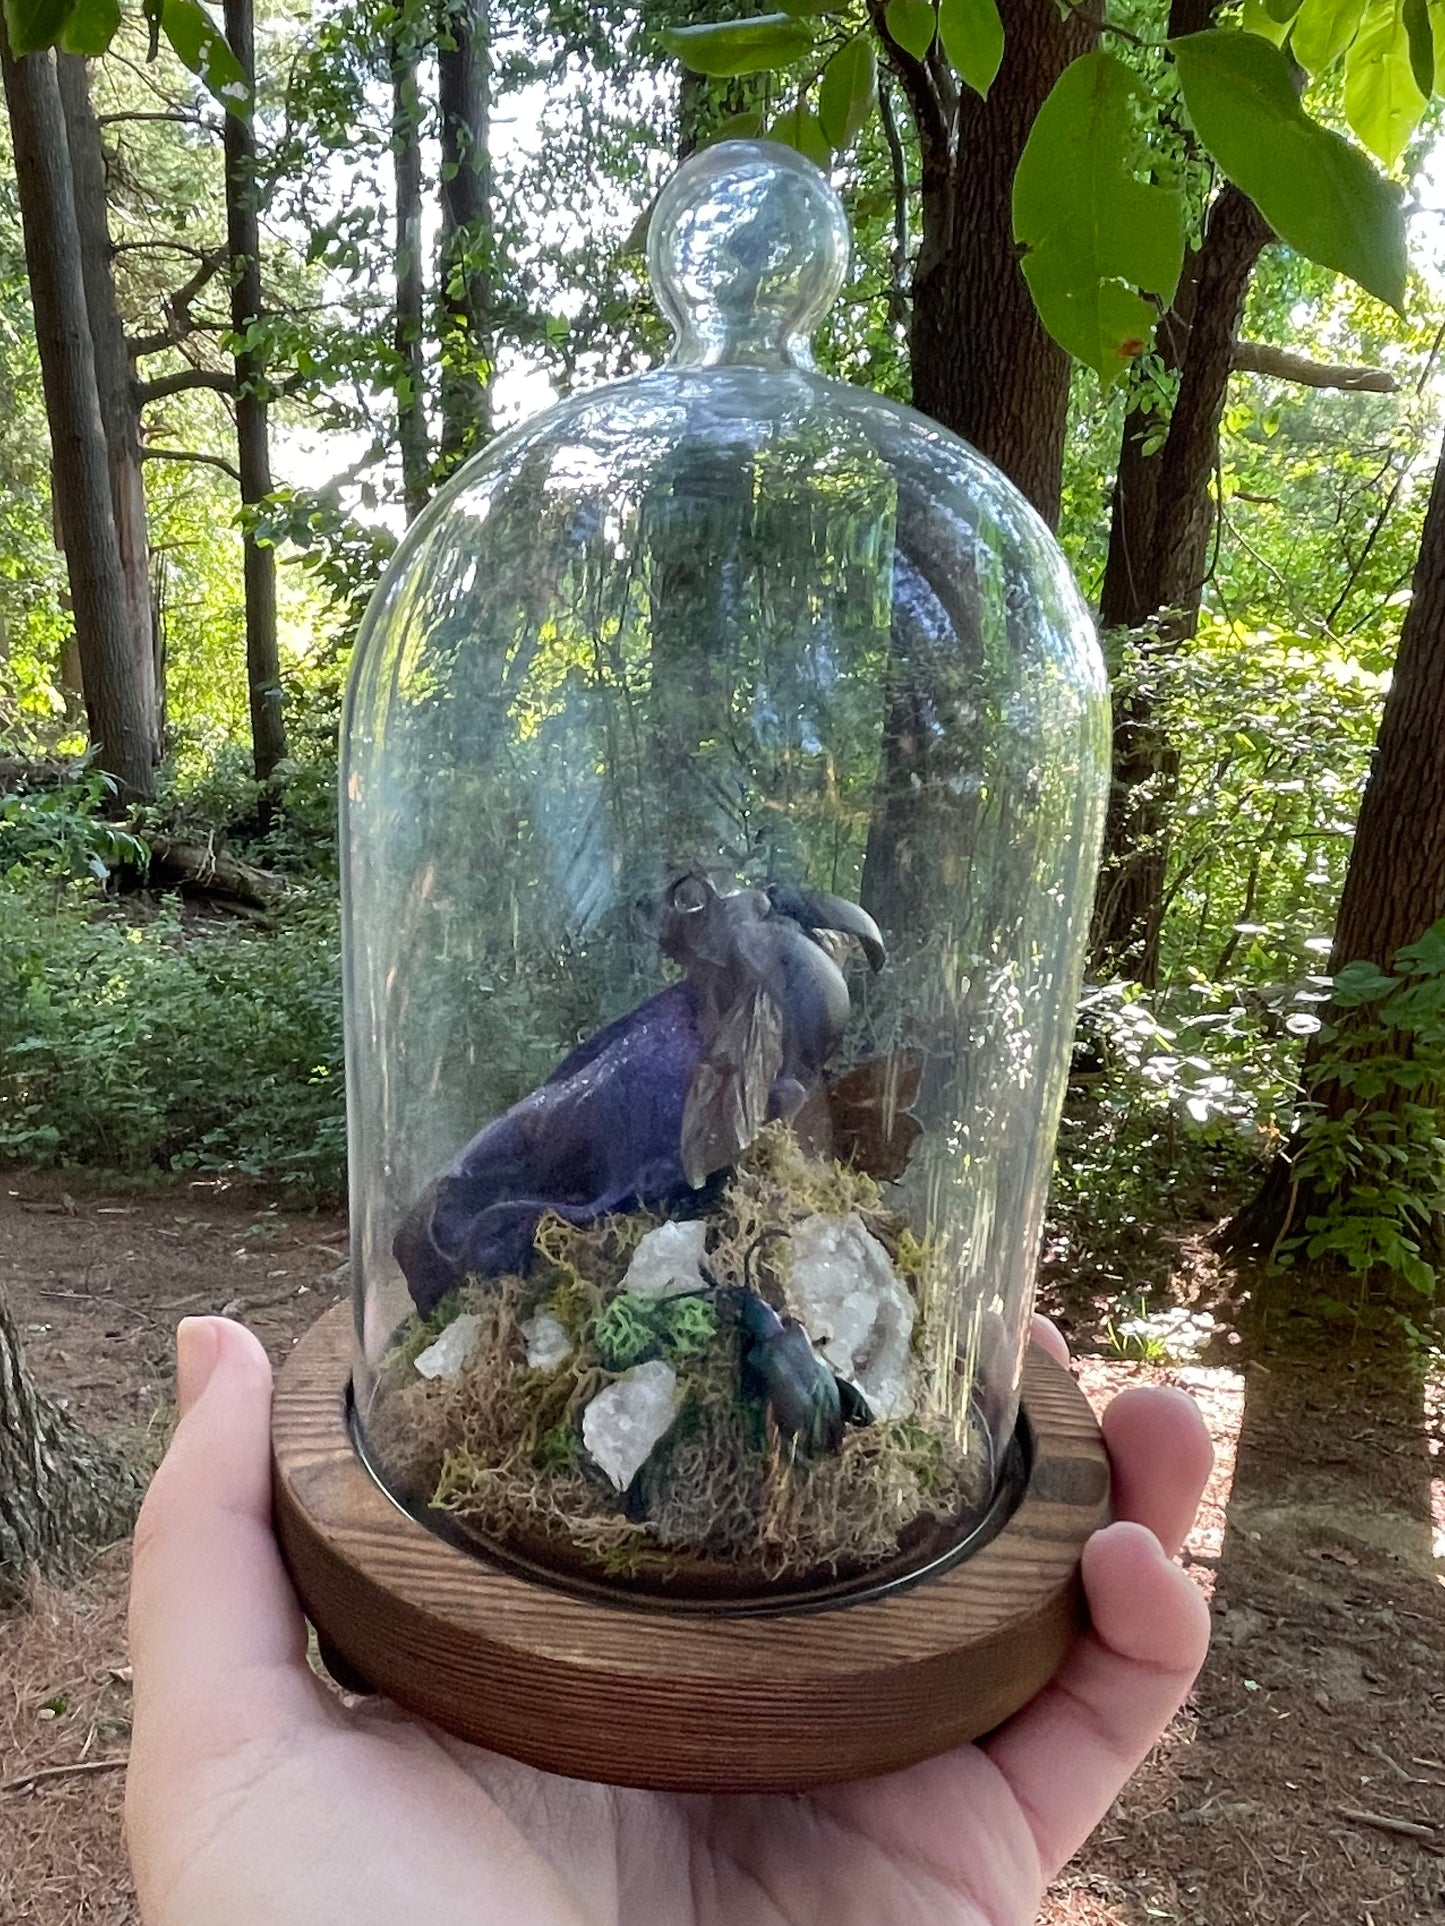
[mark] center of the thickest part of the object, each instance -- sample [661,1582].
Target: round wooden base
[684,1701]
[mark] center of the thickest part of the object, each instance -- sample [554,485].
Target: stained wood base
[672,1699]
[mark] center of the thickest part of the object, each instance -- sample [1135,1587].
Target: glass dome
[724,768]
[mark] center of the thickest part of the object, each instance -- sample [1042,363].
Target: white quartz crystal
[848,1298]
[547,1343]
[445,1358]
[623,1424]
[667,1261]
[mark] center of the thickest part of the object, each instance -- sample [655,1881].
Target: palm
[256,1797]
[422,1814]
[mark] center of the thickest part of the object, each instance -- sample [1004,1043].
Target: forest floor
[1304,1783]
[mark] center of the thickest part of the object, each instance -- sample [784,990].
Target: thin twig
[1382,1822]
[1379,1752]
[27,1779]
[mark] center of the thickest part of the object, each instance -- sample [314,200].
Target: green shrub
[1376,1169]
[1174,1104]
[132,1045]
[58,832]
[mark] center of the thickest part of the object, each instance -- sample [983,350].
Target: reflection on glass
[724,770]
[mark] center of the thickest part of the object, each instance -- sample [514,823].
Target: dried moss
[497,1449]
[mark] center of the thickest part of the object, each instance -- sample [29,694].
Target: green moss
[556,1450]
[633,1329]
[624,1334]
[690,1327]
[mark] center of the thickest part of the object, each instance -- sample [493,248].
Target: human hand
[256,1798]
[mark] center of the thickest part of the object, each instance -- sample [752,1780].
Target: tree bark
[114,382]
[59,1489]
[464,78]
[982,363]
[253,443]
[1395,882]
[120,721]
[411,383]
[1158,563]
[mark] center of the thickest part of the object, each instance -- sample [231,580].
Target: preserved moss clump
[727,1499]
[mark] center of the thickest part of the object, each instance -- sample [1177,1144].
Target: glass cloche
[724,767]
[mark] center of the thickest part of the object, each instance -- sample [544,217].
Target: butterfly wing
[727,1100]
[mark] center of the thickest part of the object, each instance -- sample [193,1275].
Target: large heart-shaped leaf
[798,128]
[1095,235]
[33,25]
[1383,102]
[1420,31]
[912,24]
[92,26]
[848,91]
[728,47]
[200,45]
[1317,192]
[972,37]
[1323,29]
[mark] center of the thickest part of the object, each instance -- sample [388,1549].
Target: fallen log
[204,870]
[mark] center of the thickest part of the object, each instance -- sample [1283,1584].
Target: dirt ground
[1304,1783]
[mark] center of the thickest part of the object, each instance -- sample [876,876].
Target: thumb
[210,1598]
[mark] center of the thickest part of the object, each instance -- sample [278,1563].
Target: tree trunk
[120,719]
[464,78]
[1395,883]
[243,244]
[1157,567]
[411,382]
[113,374]
[982,363]
[59,1489]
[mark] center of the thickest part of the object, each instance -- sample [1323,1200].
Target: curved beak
[816,910]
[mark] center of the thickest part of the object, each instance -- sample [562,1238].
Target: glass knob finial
[747,248]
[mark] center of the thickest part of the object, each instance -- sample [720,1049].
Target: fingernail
[197,1349]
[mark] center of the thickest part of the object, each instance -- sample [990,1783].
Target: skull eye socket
[689,894]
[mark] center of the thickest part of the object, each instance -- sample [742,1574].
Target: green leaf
[1359,983]
[1323,29]
[91,27]
[803,9]
[736,127]
[1382,102]
[848,91]
[1427,957]
[1318,193]
[34,25]
[1419,1275]
[1094,235]
[913,24]
[798,128]
[1421,35]
[728,47]
[200,45]
[1256,16]
[1282,10]
[972,36]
